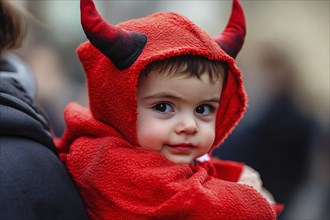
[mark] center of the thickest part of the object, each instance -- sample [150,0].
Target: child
[162,94]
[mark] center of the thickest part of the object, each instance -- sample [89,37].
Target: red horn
[122,47]
[232,38]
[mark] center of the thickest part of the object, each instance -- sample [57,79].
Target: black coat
[34,183]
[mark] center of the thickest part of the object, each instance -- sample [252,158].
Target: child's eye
[204,110]
[163,107]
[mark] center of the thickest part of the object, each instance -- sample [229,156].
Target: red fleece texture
[119,179]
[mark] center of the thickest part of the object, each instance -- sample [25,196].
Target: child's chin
[181,159]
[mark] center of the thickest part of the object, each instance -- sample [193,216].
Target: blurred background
[285,61]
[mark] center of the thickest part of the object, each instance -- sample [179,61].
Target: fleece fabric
[119,179]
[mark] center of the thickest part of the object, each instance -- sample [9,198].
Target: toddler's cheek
[152,138]
[209,137]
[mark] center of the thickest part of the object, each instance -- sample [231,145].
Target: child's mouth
[181,148]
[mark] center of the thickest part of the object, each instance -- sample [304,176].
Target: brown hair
[190,65]
[12,26]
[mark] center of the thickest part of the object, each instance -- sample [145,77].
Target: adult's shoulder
[35,184]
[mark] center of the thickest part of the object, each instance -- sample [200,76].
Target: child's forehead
[181,73]
[170,71]
[188,90]
[171,77]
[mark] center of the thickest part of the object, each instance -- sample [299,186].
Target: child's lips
[181,148]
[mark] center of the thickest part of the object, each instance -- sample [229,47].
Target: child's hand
[252,178]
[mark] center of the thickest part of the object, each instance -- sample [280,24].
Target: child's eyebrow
[216,100]
[171,96]
[162,95]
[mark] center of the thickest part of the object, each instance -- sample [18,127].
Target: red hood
[112,92]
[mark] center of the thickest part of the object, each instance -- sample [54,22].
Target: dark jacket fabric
[34,184]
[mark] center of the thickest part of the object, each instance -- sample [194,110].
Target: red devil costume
[119,179]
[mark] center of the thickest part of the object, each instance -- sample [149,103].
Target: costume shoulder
[222,169]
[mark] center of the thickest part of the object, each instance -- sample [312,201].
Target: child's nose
[187,125]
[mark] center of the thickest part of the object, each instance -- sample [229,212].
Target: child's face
[176,115]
